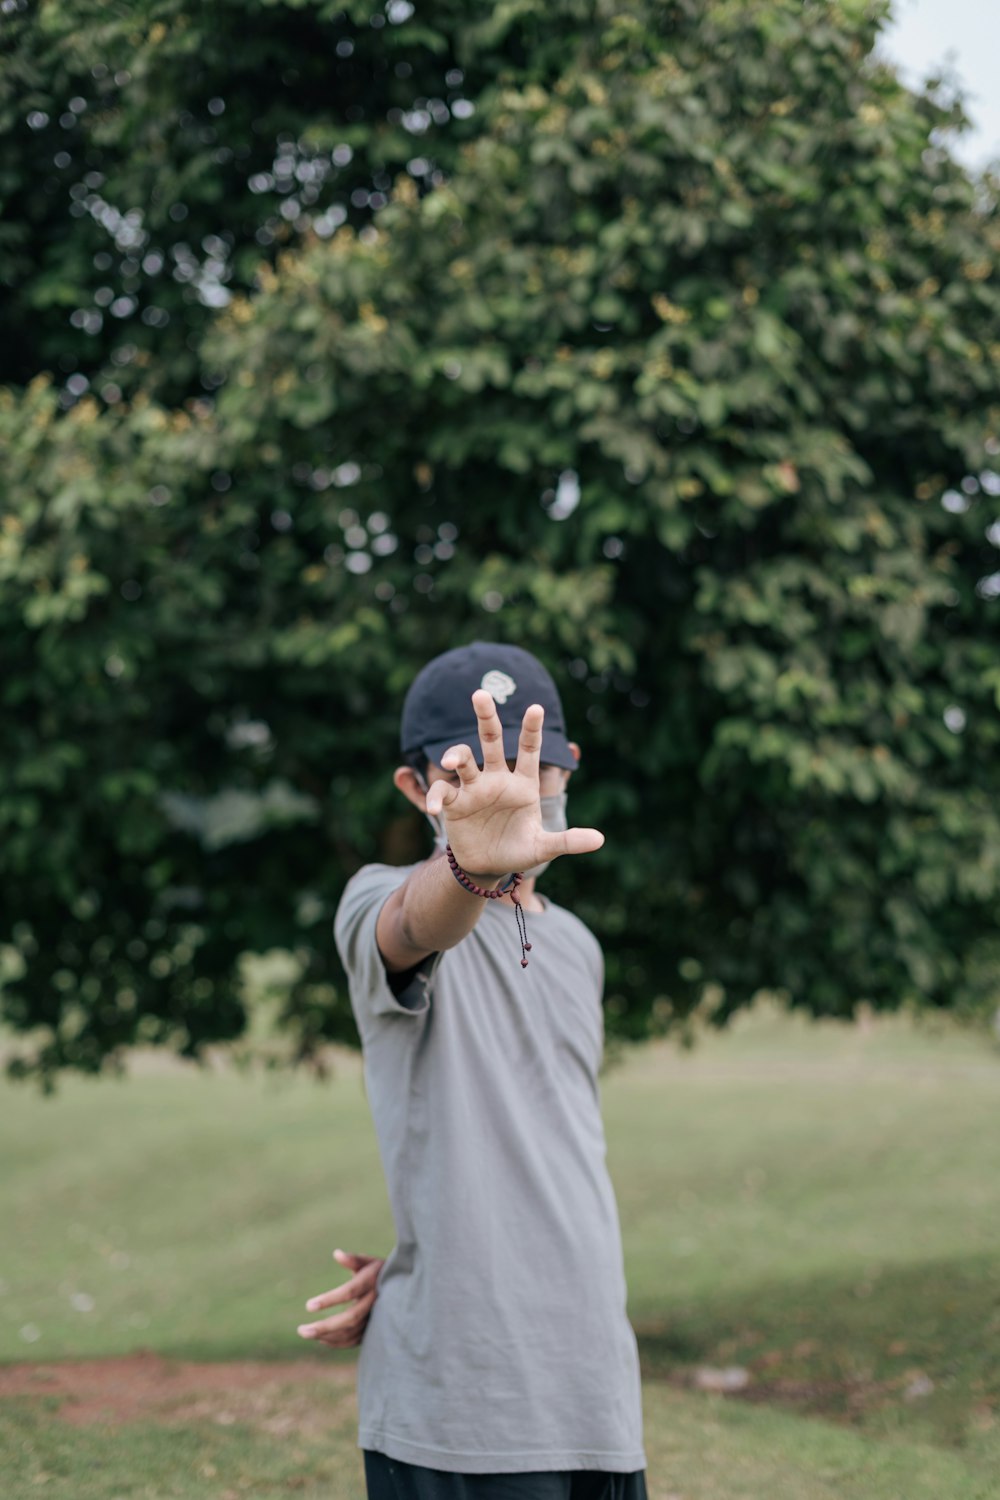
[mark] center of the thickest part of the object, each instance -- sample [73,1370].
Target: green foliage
[152,153]
[684,375]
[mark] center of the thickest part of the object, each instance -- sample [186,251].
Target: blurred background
[662,339]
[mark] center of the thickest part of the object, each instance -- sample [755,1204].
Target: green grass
[815,1204]
[699,1448]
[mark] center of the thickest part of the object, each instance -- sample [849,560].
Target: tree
[686,376]
[153,153]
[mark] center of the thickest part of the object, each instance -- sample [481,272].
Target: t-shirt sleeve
[373,991]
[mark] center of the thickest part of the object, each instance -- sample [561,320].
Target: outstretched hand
[346,1329]
[493,816]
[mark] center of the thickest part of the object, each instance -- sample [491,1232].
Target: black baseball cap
[438,711]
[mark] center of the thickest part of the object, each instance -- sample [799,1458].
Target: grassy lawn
[815,1207]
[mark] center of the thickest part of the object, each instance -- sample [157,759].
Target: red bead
[524,963]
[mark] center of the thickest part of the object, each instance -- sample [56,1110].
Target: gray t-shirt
[499,1340]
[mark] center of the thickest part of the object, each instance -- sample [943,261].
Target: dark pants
[388,1479]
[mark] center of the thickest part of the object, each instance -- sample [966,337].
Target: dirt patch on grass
[295,1396]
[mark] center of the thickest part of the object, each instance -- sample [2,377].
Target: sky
[965,34]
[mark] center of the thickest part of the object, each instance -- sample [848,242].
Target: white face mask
[553,821]
[553,808]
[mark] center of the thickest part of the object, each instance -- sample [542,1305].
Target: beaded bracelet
[510,889]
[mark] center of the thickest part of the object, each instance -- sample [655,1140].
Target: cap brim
[555,747]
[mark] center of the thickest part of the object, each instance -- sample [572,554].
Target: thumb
[571,841]
[441,795]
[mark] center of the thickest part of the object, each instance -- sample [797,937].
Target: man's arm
[429,912]
[494,824]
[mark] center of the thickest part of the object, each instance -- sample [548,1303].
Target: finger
[442,794]
[350,1319]
[355,1317]
[571,841]
[352,1261]
[345,1338]
[358,1286]
[490,731]
[362,1281]
[461,759]
[333,1330]
[529,741]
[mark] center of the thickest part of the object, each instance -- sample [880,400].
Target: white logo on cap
[499,686]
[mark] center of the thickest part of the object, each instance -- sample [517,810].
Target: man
[498,1360]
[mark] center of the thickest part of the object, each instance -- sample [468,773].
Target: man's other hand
[346,1329]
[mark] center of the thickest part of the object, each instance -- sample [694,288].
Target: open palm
[493,816]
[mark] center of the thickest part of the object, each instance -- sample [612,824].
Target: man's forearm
[436,911]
